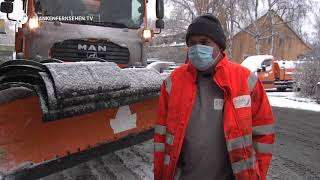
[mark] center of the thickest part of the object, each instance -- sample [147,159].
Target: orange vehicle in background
[272,73]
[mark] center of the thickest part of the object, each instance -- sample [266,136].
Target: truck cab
[80,30]
[272,73]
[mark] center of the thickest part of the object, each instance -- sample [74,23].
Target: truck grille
[79,49]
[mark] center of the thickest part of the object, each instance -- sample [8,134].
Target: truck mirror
[7,6]
[159,24]
[159,9]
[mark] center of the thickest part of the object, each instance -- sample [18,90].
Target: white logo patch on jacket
[242,101]
[218,104]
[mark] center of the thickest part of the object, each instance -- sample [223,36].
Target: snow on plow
[54,116]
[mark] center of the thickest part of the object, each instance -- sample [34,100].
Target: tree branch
[245,30]
[266,37]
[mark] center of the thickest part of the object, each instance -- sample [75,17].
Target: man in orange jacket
[214,119]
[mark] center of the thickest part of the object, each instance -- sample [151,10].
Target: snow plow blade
[54,116]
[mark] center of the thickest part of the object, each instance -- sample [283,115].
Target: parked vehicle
[272,73]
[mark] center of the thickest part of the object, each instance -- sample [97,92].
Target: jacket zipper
[243,143]
[184,130]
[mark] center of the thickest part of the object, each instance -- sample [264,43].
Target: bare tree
[250,16]
[290,11]
[293,12]
[296,12]
[186,10]
[230,8]
[316,38]
[237,15]
[315,43]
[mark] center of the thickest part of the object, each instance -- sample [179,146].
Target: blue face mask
[201,56]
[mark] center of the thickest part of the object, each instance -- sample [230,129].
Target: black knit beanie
[207,25]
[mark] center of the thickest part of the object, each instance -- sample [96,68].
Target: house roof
[286,24]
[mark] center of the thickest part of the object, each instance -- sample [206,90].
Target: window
[267,63]
[282,38]
[114,13]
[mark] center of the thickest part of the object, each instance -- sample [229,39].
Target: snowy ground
[291,99]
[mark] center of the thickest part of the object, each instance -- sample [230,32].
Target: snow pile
[254,62]
[13,93]
[160,66]
[290,100]
[84,78]
[70,89]
[142,80]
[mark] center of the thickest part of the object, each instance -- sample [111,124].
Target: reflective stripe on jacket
[248,120]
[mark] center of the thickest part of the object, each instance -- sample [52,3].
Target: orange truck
[272,73]
[66,100]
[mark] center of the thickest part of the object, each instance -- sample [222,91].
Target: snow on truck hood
[254,62]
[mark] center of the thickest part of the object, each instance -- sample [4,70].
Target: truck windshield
[112,13]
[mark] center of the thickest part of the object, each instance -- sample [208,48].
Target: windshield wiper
[114,24]
[104,23]
[81,22]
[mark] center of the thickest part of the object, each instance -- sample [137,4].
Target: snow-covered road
[292,100]
[296,154]
[133,163]
[297,149]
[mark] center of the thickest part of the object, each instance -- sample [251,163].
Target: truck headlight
[147,34]
[33,23]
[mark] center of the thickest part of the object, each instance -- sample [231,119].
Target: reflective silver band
[252,80]
[240,142]
[178,174]
[166,159]
[263,130]
[242,165]
[242,101]
[159,147]
[169,139]
[159,129]
[263,148]
[168,84]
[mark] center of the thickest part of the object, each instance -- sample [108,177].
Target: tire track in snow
[136,158]
[100,170]
[116,166]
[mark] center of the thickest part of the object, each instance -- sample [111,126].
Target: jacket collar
[221,76]
[222,65]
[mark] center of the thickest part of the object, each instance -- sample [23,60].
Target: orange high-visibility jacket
[248,120]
